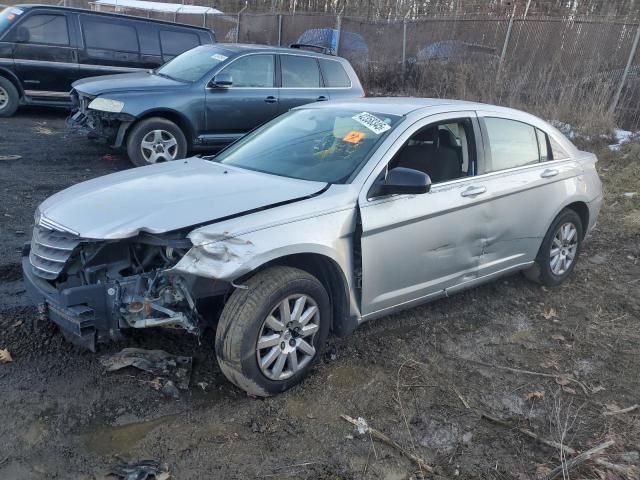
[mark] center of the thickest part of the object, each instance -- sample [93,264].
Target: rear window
[334,74]
[104,35]
[175,43]
[299,72]
[44,28]
[8,17]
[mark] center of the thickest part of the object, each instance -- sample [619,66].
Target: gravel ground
[423,377]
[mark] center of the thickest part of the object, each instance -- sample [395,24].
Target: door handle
[473,191]
[321,98]
[271,99]
[549,172]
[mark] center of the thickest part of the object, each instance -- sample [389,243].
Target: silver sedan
[329,216]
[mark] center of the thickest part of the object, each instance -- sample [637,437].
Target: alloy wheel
[159,146]
[4,97]
[563,248]
[285,343]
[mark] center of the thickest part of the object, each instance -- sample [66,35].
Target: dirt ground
[423,377]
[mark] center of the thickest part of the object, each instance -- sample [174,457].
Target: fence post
[339,29]
[238,26]
[632,55]
[279,29]
[404,45]
[506,43]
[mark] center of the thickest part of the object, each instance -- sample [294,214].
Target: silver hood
[167,196]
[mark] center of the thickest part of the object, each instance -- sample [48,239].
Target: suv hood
[125,82]
[168,196]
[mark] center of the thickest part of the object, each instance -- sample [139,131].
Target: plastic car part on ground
[143,470]
[158,362]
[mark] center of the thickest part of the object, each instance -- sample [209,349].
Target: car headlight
[106,105]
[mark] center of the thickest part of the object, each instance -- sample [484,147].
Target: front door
[251,100]
[416,246]
[44,56]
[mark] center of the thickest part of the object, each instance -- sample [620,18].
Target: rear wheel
[156,140]
[272,332]
[9,98]
[559,251]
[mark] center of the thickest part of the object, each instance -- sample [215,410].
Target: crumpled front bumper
[81,313]
[102,126]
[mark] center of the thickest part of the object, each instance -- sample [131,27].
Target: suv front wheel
[156,140]
[273,330]
[9,98]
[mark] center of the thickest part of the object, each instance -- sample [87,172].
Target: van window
[44,28]
[104,35]
[254,71]
[511,144]
[175,43]
[334,74]
[299,72]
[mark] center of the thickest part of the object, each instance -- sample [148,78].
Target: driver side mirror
[221,80]
[401,181]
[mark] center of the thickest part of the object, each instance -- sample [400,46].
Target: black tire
[147,127]
[9,98]
[541,272]
[242,322]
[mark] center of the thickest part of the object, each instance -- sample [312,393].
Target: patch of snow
[622,137]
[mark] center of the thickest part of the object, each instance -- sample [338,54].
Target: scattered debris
[613,410]
[169,389]
[597,389]
[10,157]
[363,427]
[598,259]
[630,194]
[5,356]
[108,157]
[550,364]
[535,394]
[466,438]
[157,362]
[579,459]
[331,353]
[43,130]
[562,380]
[203,386]
[558,337]
[550,313]
[143,470]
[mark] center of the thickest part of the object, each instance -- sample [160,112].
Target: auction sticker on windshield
[219,57]
[372,122]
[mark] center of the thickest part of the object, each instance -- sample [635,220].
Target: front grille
[84,101]
[50,251]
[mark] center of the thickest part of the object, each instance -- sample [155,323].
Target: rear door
[301,81]
[110,45]
[44,55]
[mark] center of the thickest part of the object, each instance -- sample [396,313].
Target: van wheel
[559,251]
[156,140]
[273,331]
[9,98]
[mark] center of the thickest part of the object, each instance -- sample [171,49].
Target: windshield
[8,16]
[193,64]
[323,145]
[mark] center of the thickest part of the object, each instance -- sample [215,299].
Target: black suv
[206,97]
[44,49]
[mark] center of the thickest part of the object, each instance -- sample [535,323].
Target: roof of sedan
[392,105]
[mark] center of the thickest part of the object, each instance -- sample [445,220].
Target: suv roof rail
[315,48]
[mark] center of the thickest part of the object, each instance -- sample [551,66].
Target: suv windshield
[323,145]
[8,16]
[193,64]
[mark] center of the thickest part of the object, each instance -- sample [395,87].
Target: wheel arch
[9,75]
[329,273]
[582,209]
[172,115]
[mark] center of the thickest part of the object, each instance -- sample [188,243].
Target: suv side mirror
[402,181]
[221,80]
[21,35]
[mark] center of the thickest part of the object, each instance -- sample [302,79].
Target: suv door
[44,55]
[415,247]
[301,81]
[250,101]
[109,46]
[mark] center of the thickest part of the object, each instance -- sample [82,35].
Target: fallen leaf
[612,407]
[558,337]
[550,364]
[549,313]
[569,390]
[536,394]
[562,380]
[542,471]
[5,356]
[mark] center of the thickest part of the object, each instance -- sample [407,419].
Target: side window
[299,72]
[103,35]
[254,71]
[334,74]
[175,43]
[511,144]
[444,151]
[557,152]
[543,145]
[41,28]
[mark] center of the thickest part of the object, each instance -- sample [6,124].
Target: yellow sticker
[354,137]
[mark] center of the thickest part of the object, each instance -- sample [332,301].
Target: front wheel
[9,98]
[273,331]
[156,140]
[559,251]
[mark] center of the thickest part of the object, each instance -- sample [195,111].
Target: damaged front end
[101,126]
[93,290]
